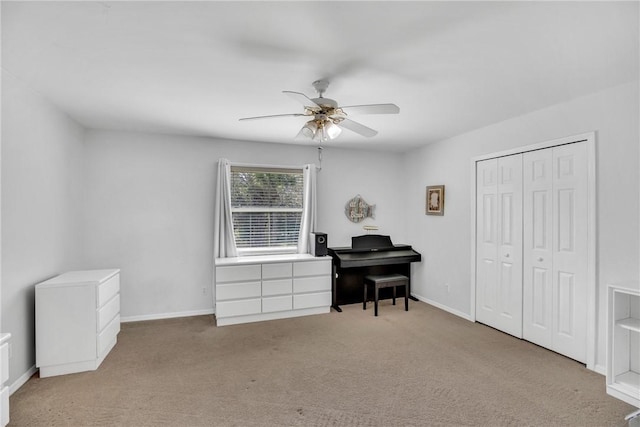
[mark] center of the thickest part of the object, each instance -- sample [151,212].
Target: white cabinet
[77,320]
[4,377]
[252,289]
[623,343]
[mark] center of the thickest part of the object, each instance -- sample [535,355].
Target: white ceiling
[196,67]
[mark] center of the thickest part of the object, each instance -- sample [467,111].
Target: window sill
[281,250]
[265,259]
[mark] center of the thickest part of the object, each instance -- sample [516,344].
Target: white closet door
[570,245]
[555,249]
[499,267]
[538,252]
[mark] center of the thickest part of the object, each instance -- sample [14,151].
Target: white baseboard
[166,315]
[601,369]
[23,379]
[444,307]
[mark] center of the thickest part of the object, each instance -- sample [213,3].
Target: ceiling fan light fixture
[320,135]
[332,130]
[309,129]
[321,130]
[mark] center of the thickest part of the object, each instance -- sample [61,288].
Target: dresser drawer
[108,312]
[312,268]
[238,308]
[108,289]
[238,273]
[237,290]
[277,270]
[281,303]
[106,337]
[277,287]
[311,284]
[320,299]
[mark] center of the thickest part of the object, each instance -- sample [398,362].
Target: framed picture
[435,200]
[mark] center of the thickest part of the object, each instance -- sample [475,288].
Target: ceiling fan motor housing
[320,86]
[326,103]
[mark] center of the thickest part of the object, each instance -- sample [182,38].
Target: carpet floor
[424,367]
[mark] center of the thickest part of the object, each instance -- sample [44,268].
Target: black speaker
[318,244]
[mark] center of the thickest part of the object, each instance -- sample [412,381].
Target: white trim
[160,316]
[472,215]
[443,307]
[263,166]
[600,369]
[539,146]
[592,248]
[235,320]
[590,139]
[22,379]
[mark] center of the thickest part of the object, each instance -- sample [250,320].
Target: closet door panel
[537,296]
[570,250]
[499,225]
[486,240]
[555,249]
[510,244]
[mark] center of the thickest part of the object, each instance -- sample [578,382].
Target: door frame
[590,139]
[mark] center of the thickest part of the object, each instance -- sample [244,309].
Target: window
[266,208]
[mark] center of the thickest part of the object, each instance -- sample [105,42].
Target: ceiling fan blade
[358,128]
[371,109]
[301,98]
[273,115]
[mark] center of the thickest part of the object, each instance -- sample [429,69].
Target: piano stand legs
[412,298]
[337,308]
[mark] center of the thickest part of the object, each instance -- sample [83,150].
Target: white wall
[149,209]
[41,199]
[445,241]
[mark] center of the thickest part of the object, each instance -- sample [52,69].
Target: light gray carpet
[416,368]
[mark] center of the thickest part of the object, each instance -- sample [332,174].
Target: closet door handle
[506,255]
[540,259]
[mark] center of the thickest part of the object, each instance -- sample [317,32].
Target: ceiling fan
[328,118]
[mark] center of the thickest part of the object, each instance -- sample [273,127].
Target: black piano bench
[386,281]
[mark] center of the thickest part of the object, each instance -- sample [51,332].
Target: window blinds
[266,206]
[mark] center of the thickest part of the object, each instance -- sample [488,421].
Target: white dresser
[77,320]
[251,289]
[4,377]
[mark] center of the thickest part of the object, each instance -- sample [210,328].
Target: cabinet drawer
[238,273]
[277,270]
[108,312]
[4,363]
[281,303]
[106,337]
[312,268]
[320,299]
[277,287]
[238,308]
[108,289]
[237,290]
[311,284]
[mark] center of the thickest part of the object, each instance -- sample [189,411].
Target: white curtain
[308,221]
[224,240]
